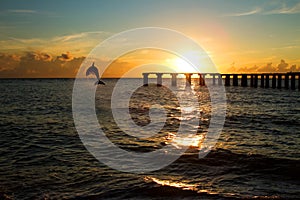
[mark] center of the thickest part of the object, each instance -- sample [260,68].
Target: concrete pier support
[255,81]
[262,81]
[214,79]
[267,81]
[252,81]
[188,78]
[227,80]
[145,79]
[244,80]
[279,81]
[286,81]
[235,80]
[174,79]
[273,81]
[201,79]
[220,82]
[299,82]
[159,79]
[293,82]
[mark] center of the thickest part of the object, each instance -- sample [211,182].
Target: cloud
[20,11]
[286,47]
[90,34]
[38,56]
[70,37]
[9,56]
[27,41]
[251,12]
[286,10]
[27,12]
[268,68]
[283,66]
[80,43]
[38,64]
[294,68]
[33,64]
[8,61]
[266,10]
[21,44]
[65,56]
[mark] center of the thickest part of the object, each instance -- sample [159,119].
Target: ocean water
[257,155]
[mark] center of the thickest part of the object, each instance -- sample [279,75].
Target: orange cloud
[65,56]
[38,56]
[8,61]
[38,64]
[281,67]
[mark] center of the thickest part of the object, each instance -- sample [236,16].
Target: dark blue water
[41,156]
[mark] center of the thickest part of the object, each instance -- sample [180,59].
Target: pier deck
[291,80]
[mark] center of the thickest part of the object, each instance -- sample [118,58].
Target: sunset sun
[181,65]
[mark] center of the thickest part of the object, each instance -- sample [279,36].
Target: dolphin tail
[99,82]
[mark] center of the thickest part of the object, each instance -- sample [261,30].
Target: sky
[52,38]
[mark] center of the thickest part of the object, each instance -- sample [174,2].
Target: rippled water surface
[42,157]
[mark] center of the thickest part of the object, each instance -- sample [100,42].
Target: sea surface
[257,155]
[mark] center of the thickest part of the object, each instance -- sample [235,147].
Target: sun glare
[182,65]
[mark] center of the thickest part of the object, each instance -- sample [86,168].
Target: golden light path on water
[177,184]
[192,141]
[196,188]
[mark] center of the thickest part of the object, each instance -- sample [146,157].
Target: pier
[290,80]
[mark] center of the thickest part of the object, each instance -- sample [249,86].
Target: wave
[180,180]
[247,163]
[164,189]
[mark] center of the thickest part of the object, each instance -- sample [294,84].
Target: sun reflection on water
[192,141]
[177,184]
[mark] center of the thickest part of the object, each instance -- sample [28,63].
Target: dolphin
[93,70]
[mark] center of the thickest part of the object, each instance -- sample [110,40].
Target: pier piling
[262,81]
[286,81]
[214,79]
[299,82]
[273,81]
[235,80]
[267,81]
[244,80]
[201,80]
[188,78]
[220,81]
[255,80]
[159,79]
[227,80]
[252,81]
[279,81]
[145,78]
[293,82]
[174,79]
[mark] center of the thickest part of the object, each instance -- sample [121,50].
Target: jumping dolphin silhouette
[93,70]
